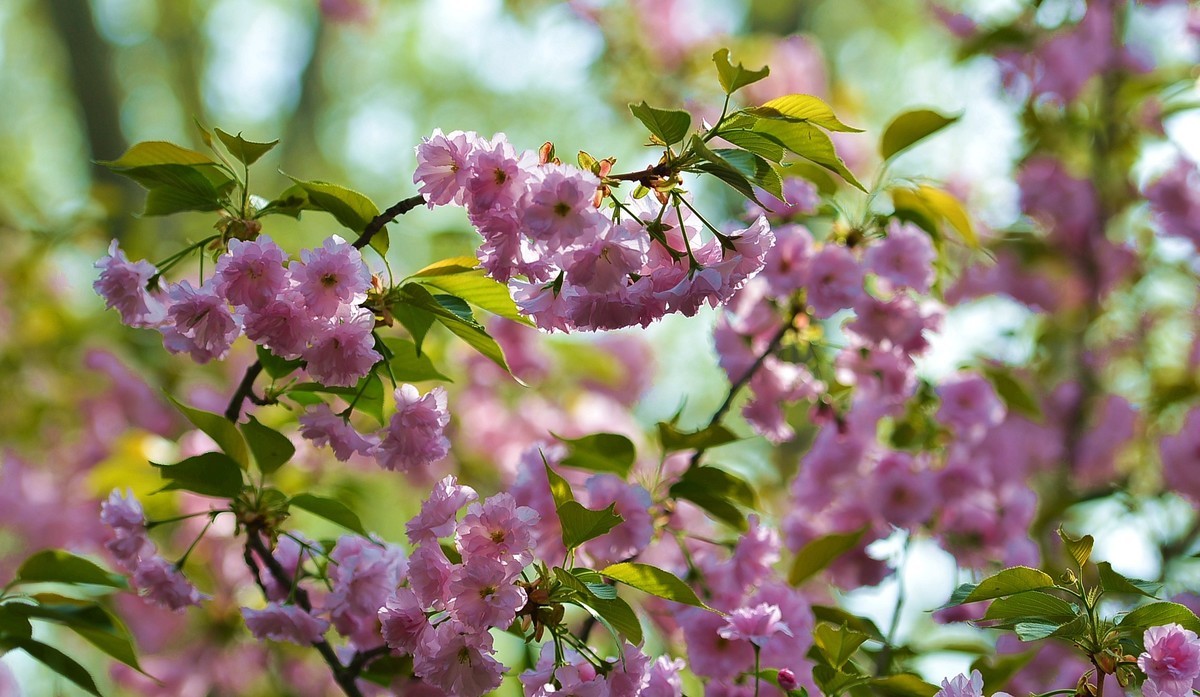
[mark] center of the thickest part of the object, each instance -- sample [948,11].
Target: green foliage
[611,611]
[1113,582]
[349,208]
[177,179]
[274,366]
[802,108]
[330,509]
[209,474]
[461,277]
[810,143]
[407,365]
[669,126]
[837,644]
[580,524]
[717,491]
[1157,614]
[59,566]
[600,452]
[674,440]
[936,210]
[1017,579]
[55,660]
[820,553]
[228,438]
[246,151]
[467,329]
[654,581]
[271,448]
[909,128]
[735,77]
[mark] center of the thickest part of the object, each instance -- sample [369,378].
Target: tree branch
[245,389]
[386,217]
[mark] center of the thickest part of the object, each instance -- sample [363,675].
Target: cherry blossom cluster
[568,264]
[1171,661]
[156,579]
[414,439]
[308,309]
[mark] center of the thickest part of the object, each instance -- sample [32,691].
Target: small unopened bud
[787,680]
[1069,577]
[546,152]
[1106,662]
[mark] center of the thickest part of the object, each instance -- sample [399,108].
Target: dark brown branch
[744,380]
[386,217]
[245,389]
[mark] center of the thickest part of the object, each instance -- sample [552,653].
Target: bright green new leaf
[1017,397]
[735,77]
[473,333]
[600,452]
[270,447]
[559,488]
[330,509]
[55,660]
[407,365]
[1080,548]
[474,286]
[580,524]
[673,439]
[1158,614]
[209,474]
[755,143]
[722,169]
[1007,582]
[903,685]
[58,566]
[671,126]
[837,643]
[718,492]
[246,151]
[757,169]
[1032,605]
[1113,582]
[820,553]
[157,152]
[937,206]
[653,580]
[87,619]
[909,128]
[839,617]
[809,142]
[613,612]
[351,209]
[220,429]
[802,108]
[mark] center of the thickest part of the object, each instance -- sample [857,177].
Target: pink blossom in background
[904,258]
[797,67]
[1180,455]
[834,280]
[1175,201]
[285,623]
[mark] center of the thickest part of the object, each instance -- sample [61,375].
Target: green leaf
[652,580]
[179,188]
[368,393]
[673,439]
[716,491]
[1158,614]
[837,643]
[330,509]
[808,142]
[220,429]
[580,524]
[736,77]
[904,685]
[1032,605]
[802,108]
[55,660]
[723,170]
[600,452]
[156,152]
[415,321]
[755,143]
[757,169]
[13,623]
[835,682]
[351,209]
[1008,582]
[839,617]
[1017,397]
[210,474]
[473,286]
[559,488]
[409,366]
[246,151]
[58,566]
[820,553]
[1036,630]
[1113,582]
[909,128]
[1080,548]
[471,332]
[671,126]
[274,366]
[90,621]
[611,611]
[937,206]
[270,447]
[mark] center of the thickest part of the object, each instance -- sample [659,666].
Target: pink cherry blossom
[198,322]
[160,582]
[482,594]
[559,207]
[321,426]
[442,171]
[498,175]
[429,573]
[251,273]
[498,529]
[122,284]
[905,257]
[459,661]
[834,280]
[437,516]
[962,686]
[415,437]
[1180,455]
[664,678]
[285,623]
[331,275]
[404,621]
[1175,201]
[754,624]
[282,324]
[343,351]
[970,406]
[364,575]
[1171,660]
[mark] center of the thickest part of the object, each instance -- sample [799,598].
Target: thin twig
[386,217]
[245,388]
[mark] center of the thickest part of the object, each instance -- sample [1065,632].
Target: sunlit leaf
[909,128]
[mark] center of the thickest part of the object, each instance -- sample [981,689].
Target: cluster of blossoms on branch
[570,265]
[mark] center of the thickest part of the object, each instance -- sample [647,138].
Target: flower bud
[787,680]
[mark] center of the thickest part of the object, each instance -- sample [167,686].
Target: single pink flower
[482,594]
[498,529]
[1171,660]
[415,437]
[404,621]
[459,661]
[438,512]
[198,322]
[442,170]
[321,426]
[122,284]
[285,623]
[754,624]
[343,351]
[161,583]
[251,273]
[330,276]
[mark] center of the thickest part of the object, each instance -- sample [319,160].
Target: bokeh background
[349,87]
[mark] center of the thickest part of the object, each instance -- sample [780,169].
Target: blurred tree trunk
[301,150]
